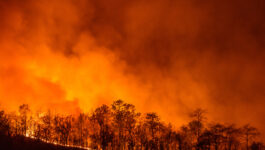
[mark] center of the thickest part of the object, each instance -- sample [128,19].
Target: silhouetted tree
[196,125]
[63,127]
[82,130]
[232,137]
[184,138]
[46,126]
[205,140]
[24,112]
[101,119]
[257,146]
[125,118]
[119,115]
[121,127]
[168,137]
[4,124]
[14,123]
[152,122]
[217,134]
[141,135]
[249,133]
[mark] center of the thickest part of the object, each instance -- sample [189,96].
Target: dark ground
[23,143]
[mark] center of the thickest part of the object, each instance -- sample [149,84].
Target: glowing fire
[164,56]
[30,133]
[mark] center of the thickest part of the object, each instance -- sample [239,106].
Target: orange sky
[162,55]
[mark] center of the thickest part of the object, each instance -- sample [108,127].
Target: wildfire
[30,133]
[165,56]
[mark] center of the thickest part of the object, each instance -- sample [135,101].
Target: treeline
[121,127]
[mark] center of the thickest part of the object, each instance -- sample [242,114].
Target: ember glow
[162,55]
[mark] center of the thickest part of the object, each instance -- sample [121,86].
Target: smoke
[168,56]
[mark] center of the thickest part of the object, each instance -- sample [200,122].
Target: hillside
[24,143]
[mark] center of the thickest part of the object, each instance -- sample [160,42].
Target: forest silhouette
[121,127]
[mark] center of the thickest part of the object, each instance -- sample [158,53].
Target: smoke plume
[168,56]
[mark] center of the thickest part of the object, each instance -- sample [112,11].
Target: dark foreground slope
[23,143]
